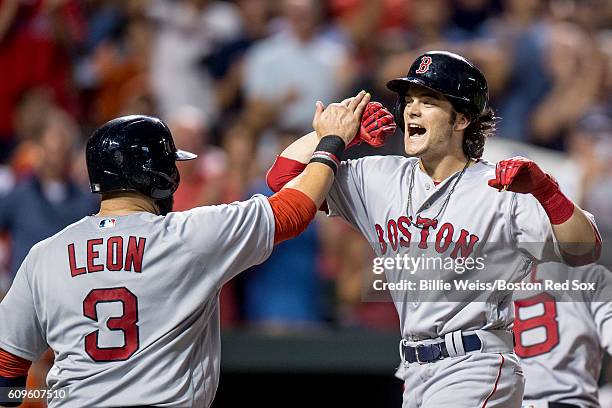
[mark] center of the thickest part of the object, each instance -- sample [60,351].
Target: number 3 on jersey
[125,323]
[547,320]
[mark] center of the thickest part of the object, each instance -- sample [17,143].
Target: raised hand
[521,175]
[341,119]
[377,124]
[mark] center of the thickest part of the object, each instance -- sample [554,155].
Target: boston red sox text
[477,285]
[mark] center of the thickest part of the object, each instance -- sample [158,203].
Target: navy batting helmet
[134,153]
[449,74]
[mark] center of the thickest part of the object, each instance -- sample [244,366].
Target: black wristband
[329,151]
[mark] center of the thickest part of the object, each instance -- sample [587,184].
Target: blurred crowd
[237,82]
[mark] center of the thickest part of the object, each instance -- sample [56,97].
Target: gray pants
[476,380]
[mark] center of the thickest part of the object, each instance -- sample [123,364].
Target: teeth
[416,129]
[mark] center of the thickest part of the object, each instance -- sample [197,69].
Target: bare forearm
[576,236]
[315,181]
[302,149]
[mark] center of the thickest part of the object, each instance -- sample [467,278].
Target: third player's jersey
[130,304]
[400,210]
[561,336]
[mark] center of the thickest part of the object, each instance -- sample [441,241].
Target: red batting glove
[524,176]
[377,123]
[520,175]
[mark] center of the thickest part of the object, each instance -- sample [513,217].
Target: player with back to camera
[128,299]
[445,199]
[561,335]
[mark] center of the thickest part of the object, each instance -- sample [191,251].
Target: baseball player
[445,200]
[128,299]
[560,336]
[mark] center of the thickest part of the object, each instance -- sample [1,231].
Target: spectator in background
[225,64]
[591,147]
[604,99]
[218,175]
[32,108]
[357,25]
[188,31]
[546,89]
[430,23]
[590,15]
[430,28]
[215,177]
[286,291]
[202,179]
[569,54]
[521,32]
[287,73]
[122,71]
[49,200]
[470,14]
[36,37]
[104,19]
[244,166]
[356,21]
[433,29]
[347,260]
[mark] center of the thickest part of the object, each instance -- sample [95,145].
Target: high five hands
[376,125]
[340,119]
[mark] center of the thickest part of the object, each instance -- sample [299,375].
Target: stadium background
[237,82]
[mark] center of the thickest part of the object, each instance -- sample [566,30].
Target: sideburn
[453,118]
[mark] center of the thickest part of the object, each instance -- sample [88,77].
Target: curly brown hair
[480,128]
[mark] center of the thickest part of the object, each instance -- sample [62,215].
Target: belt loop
[458,342]
[450,347]
[418,355]
[403,343]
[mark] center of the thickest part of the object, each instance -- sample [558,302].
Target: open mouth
[415,130]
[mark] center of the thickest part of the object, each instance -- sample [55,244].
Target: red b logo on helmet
[425,62]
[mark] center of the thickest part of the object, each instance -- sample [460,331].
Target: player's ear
[462,121]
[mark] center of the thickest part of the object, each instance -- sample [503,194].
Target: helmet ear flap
[400,105]
[163,183]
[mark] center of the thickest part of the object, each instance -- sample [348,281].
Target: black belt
[561,405]
[426,353]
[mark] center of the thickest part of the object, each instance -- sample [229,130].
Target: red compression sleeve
[283,171]
[12,366]
[293,211]
[558,207]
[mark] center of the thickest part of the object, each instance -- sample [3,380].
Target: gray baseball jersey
[508,230]
[561,343]
[130,304]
